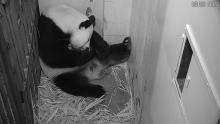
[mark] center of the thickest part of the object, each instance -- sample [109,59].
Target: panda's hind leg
[78,85]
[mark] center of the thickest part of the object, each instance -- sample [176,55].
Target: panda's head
[81,37]
[73,22]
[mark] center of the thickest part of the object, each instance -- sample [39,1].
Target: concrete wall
[116,20]
[156,29]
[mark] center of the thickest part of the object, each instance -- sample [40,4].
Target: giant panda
[71,54]
[61,26]
[77,82]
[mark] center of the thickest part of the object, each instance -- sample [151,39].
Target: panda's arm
[74,58]
[65,58]
[102,48]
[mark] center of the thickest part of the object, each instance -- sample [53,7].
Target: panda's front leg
[78,85]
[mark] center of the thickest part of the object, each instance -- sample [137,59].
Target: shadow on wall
[147,23]
[158,16]
[159,12]
[156,34]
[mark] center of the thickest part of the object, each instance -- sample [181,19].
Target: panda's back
[64,16]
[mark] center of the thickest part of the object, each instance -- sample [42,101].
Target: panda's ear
[88,23]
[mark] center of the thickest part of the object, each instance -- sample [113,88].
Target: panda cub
[72,54]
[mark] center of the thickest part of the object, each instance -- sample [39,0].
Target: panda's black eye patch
[88,23]
[85,24]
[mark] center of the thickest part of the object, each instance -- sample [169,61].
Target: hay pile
[57,107]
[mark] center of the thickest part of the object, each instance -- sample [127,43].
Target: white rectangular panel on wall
[195,89]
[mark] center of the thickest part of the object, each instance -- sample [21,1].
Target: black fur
[101,47]
[77,84]
[54,52]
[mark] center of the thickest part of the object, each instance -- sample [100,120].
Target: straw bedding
[116,107]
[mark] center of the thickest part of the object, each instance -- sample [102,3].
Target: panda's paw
[127,42]
[97,91]
[70,47]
